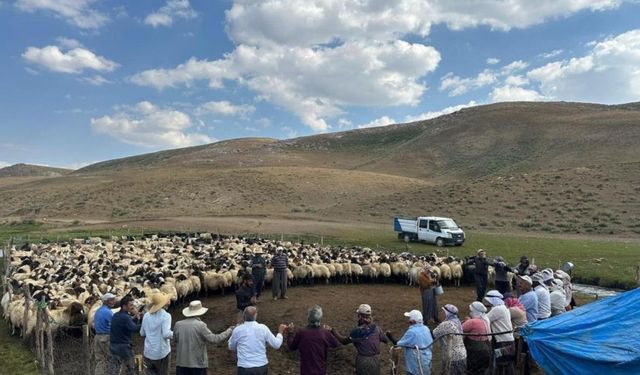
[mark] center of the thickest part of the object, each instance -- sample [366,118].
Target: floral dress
[454,355]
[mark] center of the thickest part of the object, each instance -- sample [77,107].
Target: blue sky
[90,80]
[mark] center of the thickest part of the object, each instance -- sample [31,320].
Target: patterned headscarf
[451,313]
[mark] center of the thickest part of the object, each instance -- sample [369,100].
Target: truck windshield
[447,224]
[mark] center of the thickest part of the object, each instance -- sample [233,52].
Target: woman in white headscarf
[500,319]
[454,355]
[478,344]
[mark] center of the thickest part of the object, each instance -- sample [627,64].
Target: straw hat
[364,309]
[158,301]
[258,251]
[195,309]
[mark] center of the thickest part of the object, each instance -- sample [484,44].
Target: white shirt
[557,302]
[500,319]
[250,341]
[544,302]
[156,330]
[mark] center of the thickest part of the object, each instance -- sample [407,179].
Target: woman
[517,313]
[501,326]
[478,346]
[454,355]
[427,280]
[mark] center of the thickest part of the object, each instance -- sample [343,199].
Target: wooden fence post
[87,347]
[40,338]
[27,307]
[49,342]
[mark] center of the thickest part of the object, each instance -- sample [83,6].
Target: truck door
[434,231]
[423,229]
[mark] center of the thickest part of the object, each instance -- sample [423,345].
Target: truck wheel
[439,242]
[407,238]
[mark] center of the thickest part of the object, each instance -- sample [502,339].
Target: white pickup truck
[432,229]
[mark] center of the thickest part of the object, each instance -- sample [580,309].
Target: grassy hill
[541,167]
[29,170]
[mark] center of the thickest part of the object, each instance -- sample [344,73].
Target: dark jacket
[122,328]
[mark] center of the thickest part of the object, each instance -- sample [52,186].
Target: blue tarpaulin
[602,337]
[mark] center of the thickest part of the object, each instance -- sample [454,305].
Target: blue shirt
[530,302]
[156,330]
[102,320]
[417,334]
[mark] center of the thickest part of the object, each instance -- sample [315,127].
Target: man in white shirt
[544,299]
[156,330]
[250,341]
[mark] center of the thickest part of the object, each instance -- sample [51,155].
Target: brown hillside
[28,170]
[553,167]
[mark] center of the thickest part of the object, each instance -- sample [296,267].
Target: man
[122,328]
[258,271]
[245,295]
[544,299]
[156,330]
[366,337]
[313,342]
[417,345]
[249,340]
[102,325]
[480,273]
[191,336]
[502,281]
[523,268]
[280,261]
[528,298]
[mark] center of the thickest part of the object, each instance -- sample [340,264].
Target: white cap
[107,296]
[414,315]
[364,309]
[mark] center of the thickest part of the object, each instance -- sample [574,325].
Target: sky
[83,81]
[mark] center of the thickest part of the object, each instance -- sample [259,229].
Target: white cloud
[226,108]
[76,12]
[149,126]
[514,67]
[73,61]
[382,121]
[96,80]
[173,9]
[4,164]
[314,83]
[551,54]
[68,43]
[328,55]
[458,86]
[492,61]
[609,73]
[344,123]
[442,112]
[505,15]
[509,93]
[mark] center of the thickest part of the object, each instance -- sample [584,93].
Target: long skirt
[478,356]
[505,352]
[429,305]
[368,365]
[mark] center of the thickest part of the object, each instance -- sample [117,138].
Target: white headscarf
[494,298]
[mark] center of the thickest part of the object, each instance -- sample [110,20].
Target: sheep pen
[67,279]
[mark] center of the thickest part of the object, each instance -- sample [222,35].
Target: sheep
[214,281]
[445,272]
[456,272]
[320,271]
[72,315]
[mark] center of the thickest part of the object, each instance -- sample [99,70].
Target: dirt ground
[339,302]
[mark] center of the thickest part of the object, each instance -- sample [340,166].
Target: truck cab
[437,230]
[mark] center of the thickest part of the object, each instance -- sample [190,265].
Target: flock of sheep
[71,277]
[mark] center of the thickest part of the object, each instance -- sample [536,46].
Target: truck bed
[404,225]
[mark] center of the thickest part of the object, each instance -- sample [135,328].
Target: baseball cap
[414,315]
[107,296]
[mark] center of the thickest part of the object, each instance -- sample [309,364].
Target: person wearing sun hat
[366,337]
[156,330]
[528,298]
[416,342]
[447,333]
[544,298]
[557,297]
[191,336]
